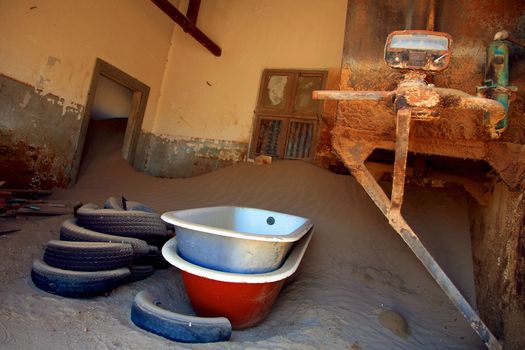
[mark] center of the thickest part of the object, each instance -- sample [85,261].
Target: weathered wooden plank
[188,24]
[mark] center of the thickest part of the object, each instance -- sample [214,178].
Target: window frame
[287,114]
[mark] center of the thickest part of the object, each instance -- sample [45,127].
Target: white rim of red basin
[169,251]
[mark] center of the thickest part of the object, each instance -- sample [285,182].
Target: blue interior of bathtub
[245,220]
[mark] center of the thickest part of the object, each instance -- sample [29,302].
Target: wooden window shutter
[286,117]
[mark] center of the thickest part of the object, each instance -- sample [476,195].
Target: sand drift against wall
[360,287]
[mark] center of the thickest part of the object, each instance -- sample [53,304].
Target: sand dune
[360,286]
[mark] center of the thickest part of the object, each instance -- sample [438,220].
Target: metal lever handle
[351,95]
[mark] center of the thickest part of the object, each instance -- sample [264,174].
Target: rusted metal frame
[412,240]
[409,16]
[400,163]
[494,112]
[187,24]
[516,41]
[470,149]
[431,15]
[351,95]
[353,158]
[508,159]
[477,187]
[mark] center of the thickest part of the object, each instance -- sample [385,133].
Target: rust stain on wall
[179,157]
[37,136]
[30,165]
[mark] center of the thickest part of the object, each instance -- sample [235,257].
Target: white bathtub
[236,239]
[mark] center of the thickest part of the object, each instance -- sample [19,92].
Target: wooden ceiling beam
[188,23]
[193,11]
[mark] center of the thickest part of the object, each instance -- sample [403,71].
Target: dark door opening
[107,123]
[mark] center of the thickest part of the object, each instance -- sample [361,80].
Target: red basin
[245,299]
[244,304]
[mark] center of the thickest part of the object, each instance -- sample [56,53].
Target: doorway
[114,114]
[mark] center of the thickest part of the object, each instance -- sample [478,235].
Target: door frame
[138,108]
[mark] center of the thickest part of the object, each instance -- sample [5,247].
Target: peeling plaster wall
[213,98]
[31,146]
[168,156]
[51,46]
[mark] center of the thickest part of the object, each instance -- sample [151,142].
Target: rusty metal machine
[424,119]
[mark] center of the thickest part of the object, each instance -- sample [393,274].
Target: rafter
[188,22]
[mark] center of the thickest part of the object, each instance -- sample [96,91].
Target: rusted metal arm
[400,163]
[188,24]
[431,15]
[349,153]
[351,95]
[494,112]
[412,93]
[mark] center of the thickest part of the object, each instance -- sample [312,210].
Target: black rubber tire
[159,243]
[146,314]
[161,263]
[148,259]
[76,284]
[70,231]
[136,224]
[132,205]
[157,260]
[88,256]
[140,272]
[118,204]
[154,258]
[113,203]
[124,204]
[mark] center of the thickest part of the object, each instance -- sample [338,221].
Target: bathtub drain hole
[270,220]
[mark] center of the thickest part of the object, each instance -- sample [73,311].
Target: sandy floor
[360,286]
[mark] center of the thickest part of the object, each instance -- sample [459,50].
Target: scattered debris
[14,202]
[32,194]
[13,206]
[6,227]
[262,159]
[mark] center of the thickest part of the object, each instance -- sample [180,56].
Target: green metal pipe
[497,75]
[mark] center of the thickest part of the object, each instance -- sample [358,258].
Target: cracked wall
[173,156]
[52,47]
[209,98]
[48,51]
[33,150]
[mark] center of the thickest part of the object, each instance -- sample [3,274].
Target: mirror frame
[428,32]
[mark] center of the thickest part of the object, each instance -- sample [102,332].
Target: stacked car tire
[102,248]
